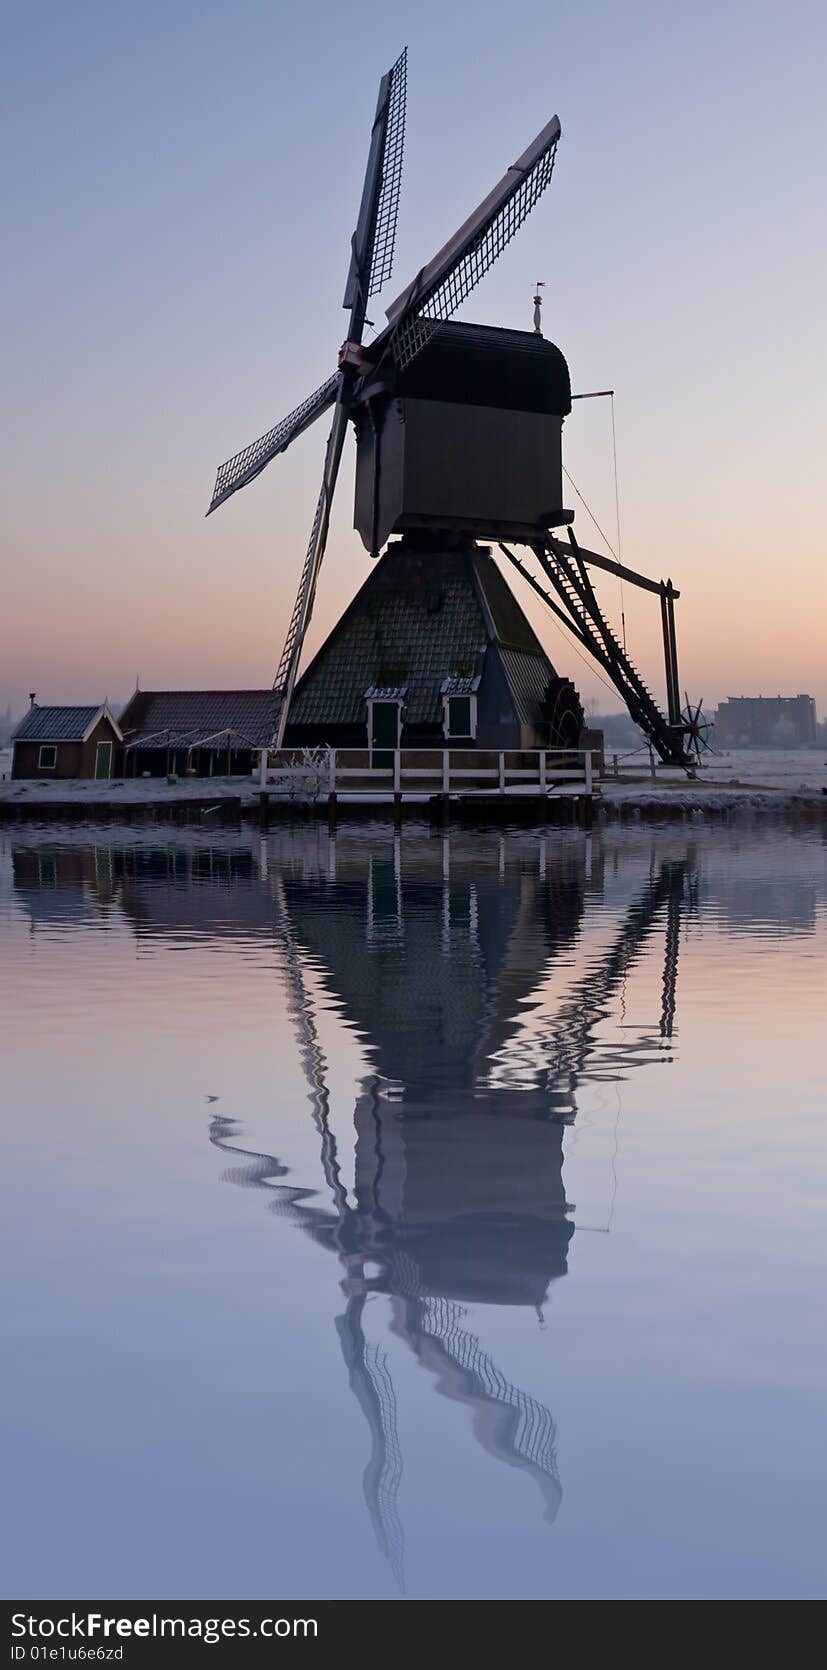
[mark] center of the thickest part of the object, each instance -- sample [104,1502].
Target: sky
[180,184]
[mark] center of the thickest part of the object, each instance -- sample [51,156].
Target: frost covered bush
[307,780]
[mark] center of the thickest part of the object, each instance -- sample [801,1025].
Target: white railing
[317,774]
[639,763]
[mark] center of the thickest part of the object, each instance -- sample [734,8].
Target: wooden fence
[421,773]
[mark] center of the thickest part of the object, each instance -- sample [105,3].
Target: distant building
[766,722]
[208,732]
[66,742]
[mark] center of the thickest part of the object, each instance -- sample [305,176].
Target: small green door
[103,760]
[384,734]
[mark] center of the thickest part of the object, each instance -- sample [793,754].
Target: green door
[103,760]
[384,734]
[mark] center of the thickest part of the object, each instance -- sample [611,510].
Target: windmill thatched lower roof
[424,622]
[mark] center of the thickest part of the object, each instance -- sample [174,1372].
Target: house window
[47,759]
[460,716]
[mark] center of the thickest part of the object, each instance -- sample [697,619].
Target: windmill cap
[482,365]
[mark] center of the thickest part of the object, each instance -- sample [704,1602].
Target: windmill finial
[538,302]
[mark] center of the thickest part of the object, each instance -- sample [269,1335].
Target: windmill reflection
[478,970]
[458,1196]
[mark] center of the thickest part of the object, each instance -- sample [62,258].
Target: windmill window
[47,759]
[460,716]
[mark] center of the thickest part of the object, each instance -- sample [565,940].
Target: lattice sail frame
[283,670]
[252,459]
[425,312]
[387,213]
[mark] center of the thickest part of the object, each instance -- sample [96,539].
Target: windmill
[458,433]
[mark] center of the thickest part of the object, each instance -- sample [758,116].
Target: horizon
[176,289]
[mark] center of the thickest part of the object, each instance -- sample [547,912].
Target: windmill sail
[387,212]
[246,465]
[303,606]
[370,267]
[443,285]
[373,244]
[372,254]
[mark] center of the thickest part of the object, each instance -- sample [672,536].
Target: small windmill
[459,443]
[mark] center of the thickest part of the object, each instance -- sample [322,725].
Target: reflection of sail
[258,1173]
[371,1383]
[508,1422]
[310,1050]
[367,1366]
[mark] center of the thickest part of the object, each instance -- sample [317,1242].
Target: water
[439,1214]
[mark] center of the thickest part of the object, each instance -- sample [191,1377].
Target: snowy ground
[792,769]
[136,792]
[744,777]
[766,778]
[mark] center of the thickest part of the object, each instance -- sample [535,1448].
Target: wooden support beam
[611,567]
[671,594]
[567,620]
[672,698]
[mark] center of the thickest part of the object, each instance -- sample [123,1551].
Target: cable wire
[590,512]
[617,518]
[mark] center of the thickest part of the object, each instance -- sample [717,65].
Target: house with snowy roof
[66,742]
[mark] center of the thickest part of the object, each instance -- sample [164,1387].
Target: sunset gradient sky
[181,185]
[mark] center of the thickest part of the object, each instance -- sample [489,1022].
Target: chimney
[32,694]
